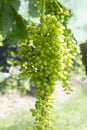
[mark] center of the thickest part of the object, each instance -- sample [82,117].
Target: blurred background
[17,95]
[78,22]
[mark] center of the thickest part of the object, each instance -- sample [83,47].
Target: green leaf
[21,7]
[14,17]
[11,23]
[33,11]
[25,8]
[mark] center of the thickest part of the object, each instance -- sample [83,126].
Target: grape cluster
[47,56]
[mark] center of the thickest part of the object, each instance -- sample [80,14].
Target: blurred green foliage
[8,53]
[14,85]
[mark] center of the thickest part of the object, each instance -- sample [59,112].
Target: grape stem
[42,12]
[60,6]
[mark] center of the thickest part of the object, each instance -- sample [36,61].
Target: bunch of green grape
[47,56]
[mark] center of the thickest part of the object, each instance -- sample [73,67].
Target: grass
[69,116]
[18,121]
[73,114]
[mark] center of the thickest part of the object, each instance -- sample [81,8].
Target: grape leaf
[21,7]
[11,23]
[33,11]
[25,8]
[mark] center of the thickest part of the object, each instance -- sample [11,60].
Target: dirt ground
[11,103]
